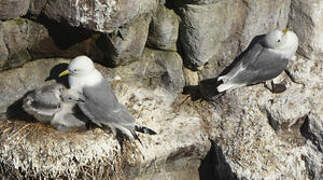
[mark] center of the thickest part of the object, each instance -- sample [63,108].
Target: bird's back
[102,107]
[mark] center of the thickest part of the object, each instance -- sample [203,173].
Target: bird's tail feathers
[144,129]
[223,87]
[127,133]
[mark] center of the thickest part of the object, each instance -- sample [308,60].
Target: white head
[82,72]
[285,40]
[81,65]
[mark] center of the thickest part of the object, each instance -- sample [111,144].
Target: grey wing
[101,106]
[249,56]
[265,65]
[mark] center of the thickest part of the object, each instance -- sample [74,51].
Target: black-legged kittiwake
[55,105]
[263,60]
[98,102]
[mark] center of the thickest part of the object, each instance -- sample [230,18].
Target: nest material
[35,150]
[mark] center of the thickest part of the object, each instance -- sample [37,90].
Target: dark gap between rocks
[63,34]
[214,166]
[307,134]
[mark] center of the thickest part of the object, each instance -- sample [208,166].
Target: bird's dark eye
[278,40]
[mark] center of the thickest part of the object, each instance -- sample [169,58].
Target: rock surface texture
[103,16]
[13,8]
[149,50]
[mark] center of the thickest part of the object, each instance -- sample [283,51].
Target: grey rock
[314,131]
[172,77]
[157,69]
[36,6]
[10,9]
[313,161]
[15,36]
[200,36]
[182,2]
[306,19]
[3,49]
[103,16]
[22,40]
[163,31]
[127,43]
[263,16]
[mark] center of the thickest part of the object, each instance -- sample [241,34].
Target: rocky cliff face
[150,50]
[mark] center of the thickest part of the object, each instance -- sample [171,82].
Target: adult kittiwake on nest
[263,60]
[55,105]
[97,100]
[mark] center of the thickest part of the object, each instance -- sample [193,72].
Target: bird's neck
[77,82]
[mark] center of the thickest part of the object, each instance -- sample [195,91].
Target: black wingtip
[144,130]
[136,137]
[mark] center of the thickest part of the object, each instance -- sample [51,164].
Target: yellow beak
[285,30]
[64,73]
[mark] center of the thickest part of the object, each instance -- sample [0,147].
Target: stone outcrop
[163,31]
[10,9]
[22,40]
[308,17]
[199,37]
[157,68]
[36,7]
[153,49]
[103,16]
[127,43]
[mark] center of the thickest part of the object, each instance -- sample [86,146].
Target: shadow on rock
[64,35]
[214,166]
[16,112]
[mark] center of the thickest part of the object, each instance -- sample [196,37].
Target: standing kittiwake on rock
[98,102]
[263,60]
[54,104]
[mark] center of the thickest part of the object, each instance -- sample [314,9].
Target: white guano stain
[96,12]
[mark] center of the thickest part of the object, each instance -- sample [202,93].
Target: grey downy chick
[54,104]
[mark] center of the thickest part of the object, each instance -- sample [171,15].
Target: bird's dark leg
[275,88]
[212,101]
[292,78]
